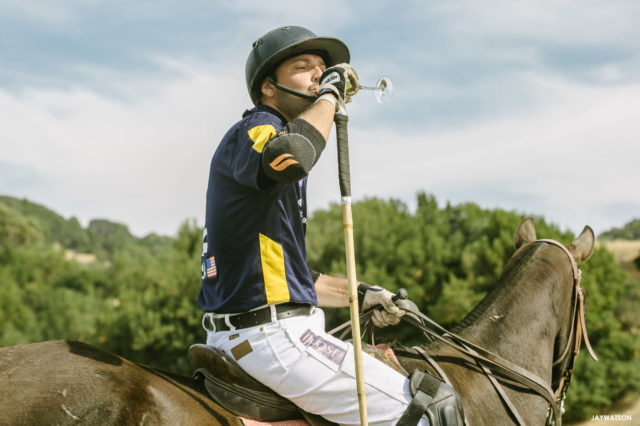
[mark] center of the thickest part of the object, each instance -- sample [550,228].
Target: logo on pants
[330,351]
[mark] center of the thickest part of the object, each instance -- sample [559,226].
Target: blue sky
[113,109]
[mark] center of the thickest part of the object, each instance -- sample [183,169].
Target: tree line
[630,231]
[138,299]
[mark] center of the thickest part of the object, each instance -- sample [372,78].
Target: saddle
[233,389]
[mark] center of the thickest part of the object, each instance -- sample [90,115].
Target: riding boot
[433,398]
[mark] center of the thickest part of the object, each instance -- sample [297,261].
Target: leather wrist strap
[362,290]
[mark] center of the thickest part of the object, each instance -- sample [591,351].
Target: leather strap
[497,363]
[432,362]
[261,316]
[579,325]
[582,329]
[424,388]
[500,391]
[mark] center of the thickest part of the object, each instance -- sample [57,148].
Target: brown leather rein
[491,363]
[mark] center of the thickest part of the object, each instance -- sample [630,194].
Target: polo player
[261,300]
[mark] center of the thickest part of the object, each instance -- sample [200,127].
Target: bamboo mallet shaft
[347,220]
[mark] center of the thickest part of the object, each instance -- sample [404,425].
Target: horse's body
[525,319]
[66,383]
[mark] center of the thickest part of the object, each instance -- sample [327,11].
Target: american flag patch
[210,264]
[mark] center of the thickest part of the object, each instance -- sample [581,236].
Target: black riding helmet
[282,43]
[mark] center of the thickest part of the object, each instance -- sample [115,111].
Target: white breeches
[298,360]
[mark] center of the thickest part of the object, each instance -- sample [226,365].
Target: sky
[113,109]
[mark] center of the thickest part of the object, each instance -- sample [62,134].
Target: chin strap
[293,92]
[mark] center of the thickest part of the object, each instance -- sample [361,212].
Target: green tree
[16,229]
[140,300]
[53,227]
[630,231]
[109,236]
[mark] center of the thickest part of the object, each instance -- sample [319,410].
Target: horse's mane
[513,270]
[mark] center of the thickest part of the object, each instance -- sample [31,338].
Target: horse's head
[527,328]
[569,306]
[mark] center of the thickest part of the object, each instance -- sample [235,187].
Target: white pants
[314,370]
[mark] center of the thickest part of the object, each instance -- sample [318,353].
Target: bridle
[577,331]
[491,363]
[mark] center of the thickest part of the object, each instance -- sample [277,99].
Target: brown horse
[526,319]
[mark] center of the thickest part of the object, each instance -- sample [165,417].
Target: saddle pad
[384,353]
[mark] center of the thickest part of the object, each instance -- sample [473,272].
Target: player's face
[302,74]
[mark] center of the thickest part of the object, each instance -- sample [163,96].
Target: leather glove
[341,81]
[374,296]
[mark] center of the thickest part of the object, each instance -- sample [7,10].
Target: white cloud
[558,22]
[255,15]
[60,11]
[570,161]
[143,162]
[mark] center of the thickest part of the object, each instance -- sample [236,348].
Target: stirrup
[433,398]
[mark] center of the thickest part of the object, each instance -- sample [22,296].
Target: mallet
[344,176]
[383,91]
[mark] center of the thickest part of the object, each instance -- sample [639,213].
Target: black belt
[262,316]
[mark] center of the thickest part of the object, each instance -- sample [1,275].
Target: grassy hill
[101,237]
[624,244]
[626,253]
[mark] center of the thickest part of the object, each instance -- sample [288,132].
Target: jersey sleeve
[252,136]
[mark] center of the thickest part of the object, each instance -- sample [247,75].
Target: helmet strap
[292,92]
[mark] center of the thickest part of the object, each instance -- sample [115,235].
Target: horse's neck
[517,320]
[519,334]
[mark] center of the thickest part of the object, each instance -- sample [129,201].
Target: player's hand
[386,311]
[341,81]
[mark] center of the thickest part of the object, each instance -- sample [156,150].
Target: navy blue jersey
[254,249]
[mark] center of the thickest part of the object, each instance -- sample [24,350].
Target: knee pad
[433,398]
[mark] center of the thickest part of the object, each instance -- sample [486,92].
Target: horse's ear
[526,233]
[582,247]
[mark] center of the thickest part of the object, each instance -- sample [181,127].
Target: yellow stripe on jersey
[275,280]
[260,135]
